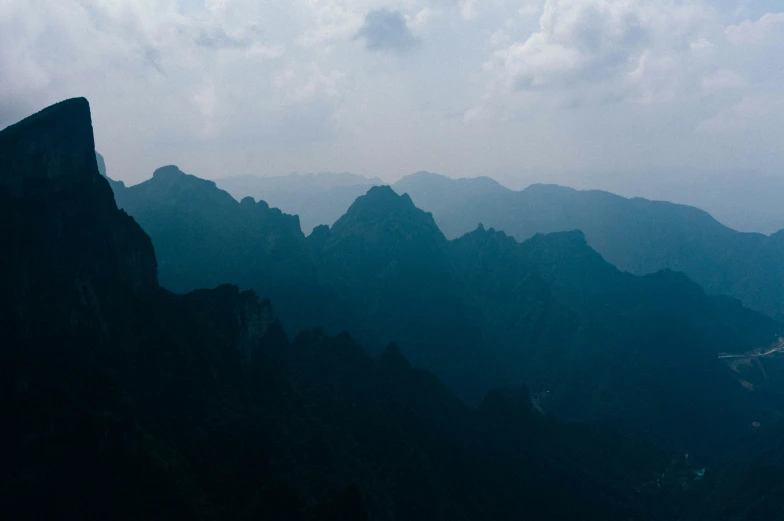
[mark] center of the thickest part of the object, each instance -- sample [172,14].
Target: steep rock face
[50,150]
[61,225]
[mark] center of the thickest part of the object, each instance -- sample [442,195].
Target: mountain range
[634,234]
[318,198]
[746,201]
[594,343]
[124,400]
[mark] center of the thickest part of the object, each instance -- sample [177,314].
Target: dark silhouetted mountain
[315,198]
[636,235]
[51,190]
[122,400]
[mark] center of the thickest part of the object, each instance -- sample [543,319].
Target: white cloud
[722,79]
[499,37]
[529,10]
[597,40]
[305,83]
[655,80]
[594,52]
[205,100]
[468,9]
[768,30]
[703,44]
[748,111]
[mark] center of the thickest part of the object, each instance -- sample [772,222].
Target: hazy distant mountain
[315,198]
[744,201]
[480,311]
[116,185]
[124,401]
[636,235]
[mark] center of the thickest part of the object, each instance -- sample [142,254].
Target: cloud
[529,10]
[385,30]
[703,44]
[768,30]
[218,38]
[722,79]
[592,40]
[467,9]
[152,58]
[423,17]
[601,51]
[751,110]
[206,101]
[299,84]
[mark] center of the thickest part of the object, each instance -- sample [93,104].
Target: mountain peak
[383,192]
[381,208]
[381,201]
[58,214]
[424,174]
[430,179]
[171,177]
[168,171]
[55,145]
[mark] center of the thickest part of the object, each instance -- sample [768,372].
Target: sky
[527,90]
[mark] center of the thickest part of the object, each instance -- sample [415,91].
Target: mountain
[743,200]
[315,198]
[636,235]
[594,344]
[485,310]
[204,237]
[122,400]
[388,262]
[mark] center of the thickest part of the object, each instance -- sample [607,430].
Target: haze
[589,93]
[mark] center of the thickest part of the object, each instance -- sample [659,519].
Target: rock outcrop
[67,241]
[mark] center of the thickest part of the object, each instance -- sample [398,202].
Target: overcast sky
[520,90]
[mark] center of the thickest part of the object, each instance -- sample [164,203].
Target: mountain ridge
[130,402]
[486,310]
